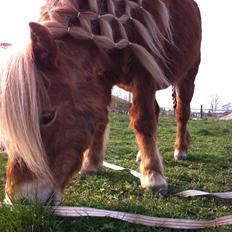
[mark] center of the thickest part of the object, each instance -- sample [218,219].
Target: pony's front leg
[94,155]
[144,117]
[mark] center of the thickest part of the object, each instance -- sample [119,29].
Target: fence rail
[122,106]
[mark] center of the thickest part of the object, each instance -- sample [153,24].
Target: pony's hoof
[161,191]
[153,181]
[138,158]
[180,155]
[89,171]
[88,168]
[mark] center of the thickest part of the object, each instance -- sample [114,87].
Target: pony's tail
[174,98]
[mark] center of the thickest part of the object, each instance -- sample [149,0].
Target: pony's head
[44,107]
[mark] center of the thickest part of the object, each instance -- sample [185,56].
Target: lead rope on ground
[70,211]
[141,219]
[187,193]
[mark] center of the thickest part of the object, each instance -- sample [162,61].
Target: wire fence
[122,105]
[198,112]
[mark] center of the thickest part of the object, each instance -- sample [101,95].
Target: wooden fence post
[130,97]
[201,111]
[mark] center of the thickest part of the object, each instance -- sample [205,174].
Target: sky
[215,73]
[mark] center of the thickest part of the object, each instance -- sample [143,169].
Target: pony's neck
[83,58]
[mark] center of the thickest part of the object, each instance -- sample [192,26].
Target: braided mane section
[114,24]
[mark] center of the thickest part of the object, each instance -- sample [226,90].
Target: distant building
[5,45]
[120,105]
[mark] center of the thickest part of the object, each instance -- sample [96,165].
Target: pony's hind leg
[184,94]
[144,115]
[94,155]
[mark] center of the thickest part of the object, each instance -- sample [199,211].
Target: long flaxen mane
[107,23]
[20,107]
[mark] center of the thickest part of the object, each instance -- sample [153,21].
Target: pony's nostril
[2,148]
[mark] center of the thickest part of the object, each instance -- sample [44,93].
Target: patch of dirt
[227,117]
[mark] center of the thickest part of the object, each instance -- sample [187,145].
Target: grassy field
[209,168]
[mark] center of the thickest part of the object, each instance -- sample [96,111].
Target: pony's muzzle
[42,193]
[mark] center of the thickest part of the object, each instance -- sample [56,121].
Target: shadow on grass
[115,178]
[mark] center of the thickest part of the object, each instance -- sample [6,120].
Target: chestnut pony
[56,91]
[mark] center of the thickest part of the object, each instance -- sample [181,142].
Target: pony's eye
[47,118]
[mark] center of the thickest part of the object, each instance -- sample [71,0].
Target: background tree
[227,107]
[214,102]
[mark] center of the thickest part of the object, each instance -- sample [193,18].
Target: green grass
[209,168]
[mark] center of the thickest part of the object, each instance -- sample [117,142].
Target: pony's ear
[43,46]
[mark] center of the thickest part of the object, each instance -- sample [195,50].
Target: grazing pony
[55,92]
